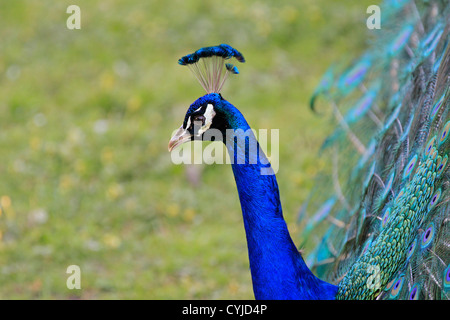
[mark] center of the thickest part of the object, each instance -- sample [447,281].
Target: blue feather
[224,50]
[401,40]
[362,106]
[355,75]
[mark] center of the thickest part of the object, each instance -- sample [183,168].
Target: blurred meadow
[85,119]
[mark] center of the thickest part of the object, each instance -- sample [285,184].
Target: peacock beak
[180,137]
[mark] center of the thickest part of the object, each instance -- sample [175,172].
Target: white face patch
[188,123]
[209,115]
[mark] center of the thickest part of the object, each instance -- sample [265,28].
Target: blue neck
[277,268]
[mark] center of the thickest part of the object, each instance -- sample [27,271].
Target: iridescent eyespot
[447,278]
[414,293]
[354,76]
[397,287]
[444,133]
[437,106]
[441,165]
[410,167]
[411,249]
[429,146]
[434,199]
[385,219]
[389,285]
[427,236]
[400,41]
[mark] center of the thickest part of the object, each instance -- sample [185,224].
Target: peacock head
[205,114]
[209,111]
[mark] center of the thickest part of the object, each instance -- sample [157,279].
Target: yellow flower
[114,191]
[5,202]
[107,155]
[35,143]
[107,81]
[5,205]
[233,287]
[134,103]
[189,214]
[111,240]
[173,210]
[289,14]
[65,182]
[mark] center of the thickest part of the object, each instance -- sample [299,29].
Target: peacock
[383,210]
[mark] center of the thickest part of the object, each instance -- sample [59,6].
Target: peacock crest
[210,66]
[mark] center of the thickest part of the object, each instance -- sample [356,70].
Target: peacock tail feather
[385,216]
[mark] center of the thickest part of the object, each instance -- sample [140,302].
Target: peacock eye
[199,118]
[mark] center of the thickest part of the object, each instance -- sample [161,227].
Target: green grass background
[85,118]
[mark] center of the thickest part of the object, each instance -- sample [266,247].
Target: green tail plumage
[386,214]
